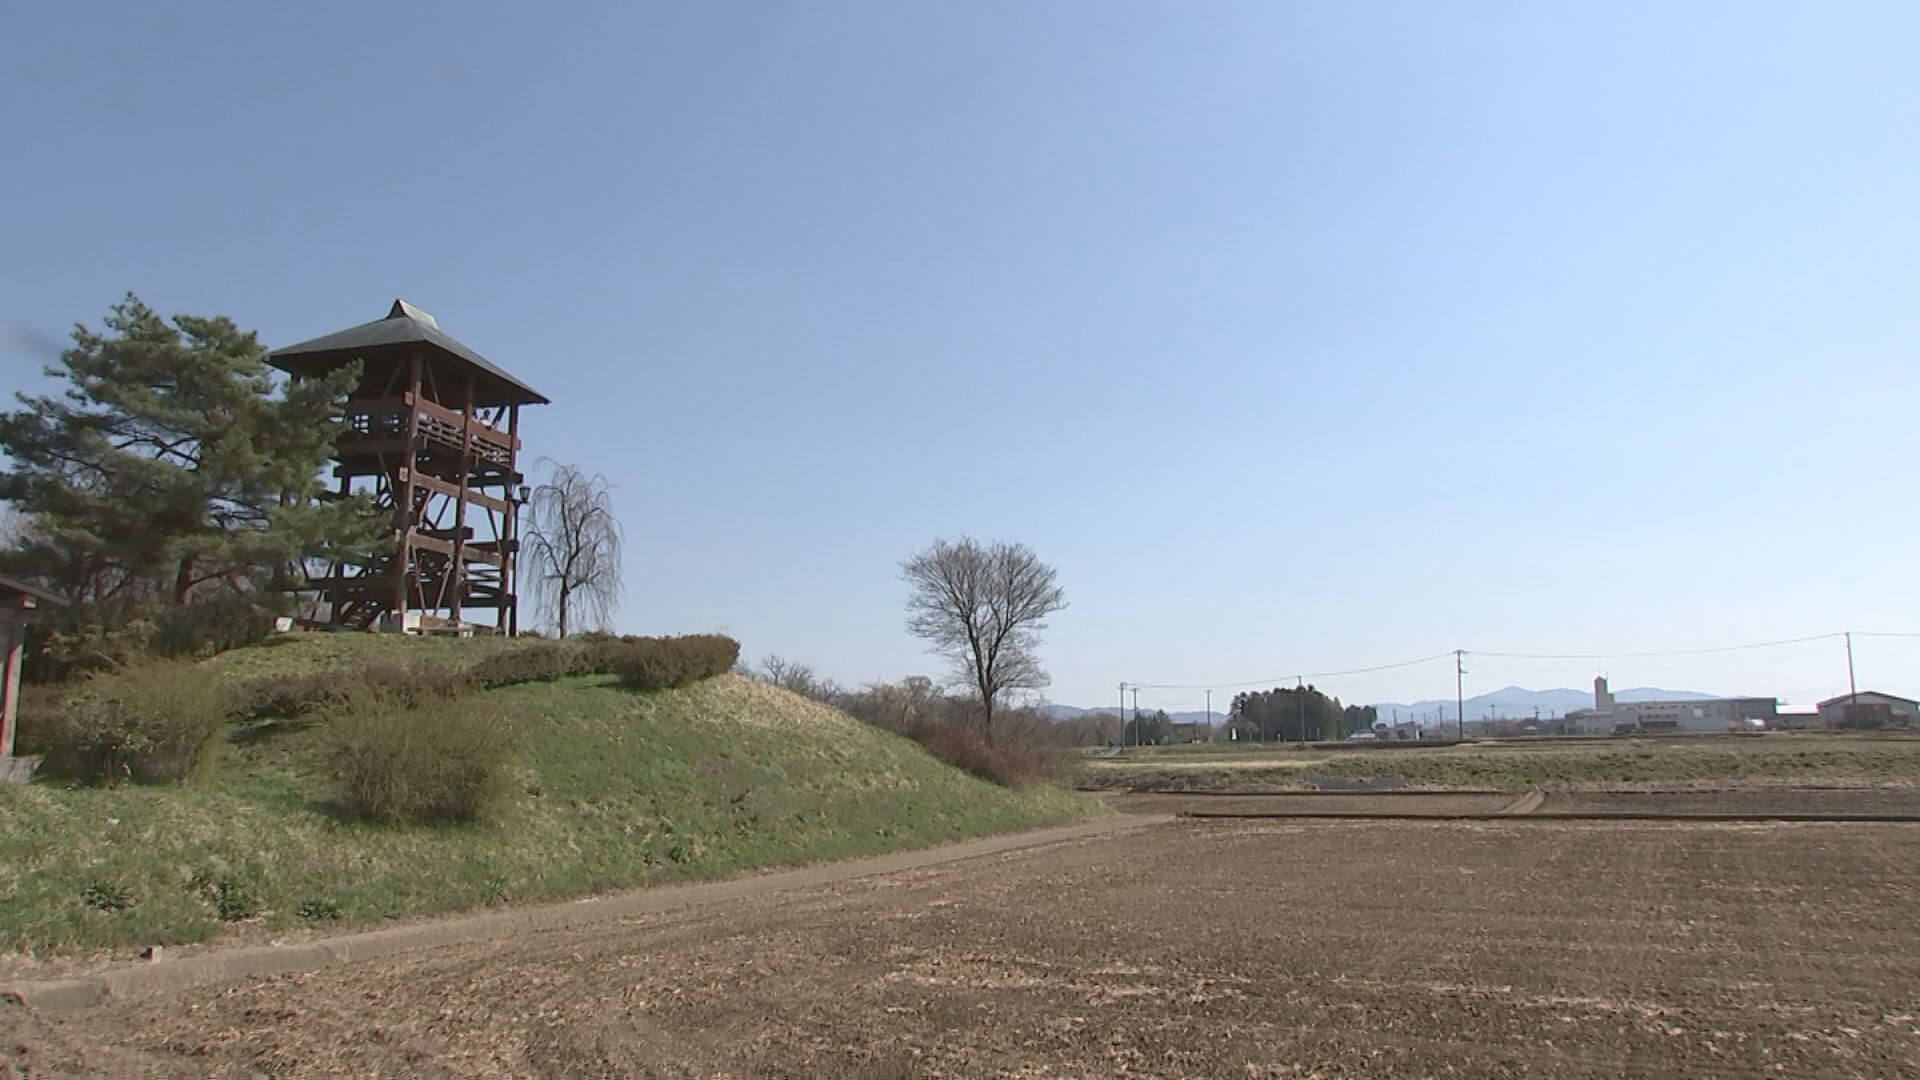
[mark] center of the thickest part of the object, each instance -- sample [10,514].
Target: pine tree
[173,467]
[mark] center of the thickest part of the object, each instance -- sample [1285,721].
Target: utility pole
[1853,691]
[1209,716]
[1459,691]
[1300,696]
[1123,712]
[1138,739]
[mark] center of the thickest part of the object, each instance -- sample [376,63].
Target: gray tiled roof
[404,325]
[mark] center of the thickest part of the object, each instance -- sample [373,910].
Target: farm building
[1699,714]
[1868,708]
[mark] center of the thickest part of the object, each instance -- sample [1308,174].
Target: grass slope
[614,789]
[1520,766]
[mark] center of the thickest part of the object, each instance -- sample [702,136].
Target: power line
[1278,679]
[1659,652]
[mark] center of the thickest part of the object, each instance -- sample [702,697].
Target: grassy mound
[302,654]
[611,788]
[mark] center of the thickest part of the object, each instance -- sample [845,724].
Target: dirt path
[1232,949]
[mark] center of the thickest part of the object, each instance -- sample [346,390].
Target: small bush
[376,684]
[157,722]
[653,663]
[540,661]
[288,696]
[1009,763]
[410,685]
[442,761]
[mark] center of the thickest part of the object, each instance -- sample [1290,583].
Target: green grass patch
[610,789]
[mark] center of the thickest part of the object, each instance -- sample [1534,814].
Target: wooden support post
[460,505]
[336,602]
[509,570]
[13,627]
[403,506]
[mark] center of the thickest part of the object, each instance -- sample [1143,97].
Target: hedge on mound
[655,663]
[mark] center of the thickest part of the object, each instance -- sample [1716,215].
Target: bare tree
[983,607]
[572,550]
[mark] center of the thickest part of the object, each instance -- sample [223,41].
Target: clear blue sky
[1300,336]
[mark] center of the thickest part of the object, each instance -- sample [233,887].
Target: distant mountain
[1518,701]
[1512,701]
[1068,712]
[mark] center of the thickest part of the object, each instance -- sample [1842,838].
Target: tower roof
[405,328]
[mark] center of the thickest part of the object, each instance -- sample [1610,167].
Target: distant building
[1188,731]
[1868,708]
[1609,716]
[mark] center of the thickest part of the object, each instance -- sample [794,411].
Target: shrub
[442,761]
[91,638]
[288,696]
[84,641]
[373,685]
[1007,762]
[212,625]
[410,685]
[540,661]
[154,723]
[653,663]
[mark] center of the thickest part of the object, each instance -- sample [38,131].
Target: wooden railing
[386,419]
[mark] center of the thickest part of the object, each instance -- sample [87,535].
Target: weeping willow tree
[571,551]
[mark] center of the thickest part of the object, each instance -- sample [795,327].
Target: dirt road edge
[228,965]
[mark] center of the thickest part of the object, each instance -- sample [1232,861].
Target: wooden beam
[369,457]
[441,487]
[443,547]
[347,585]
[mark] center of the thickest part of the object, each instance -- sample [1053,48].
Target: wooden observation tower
[433,433]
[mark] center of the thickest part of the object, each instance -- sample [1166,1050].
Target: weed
[319,909]
[234,901]
[106,896]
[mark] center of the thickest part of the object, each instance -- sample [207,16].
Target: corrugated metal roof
[404,325]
